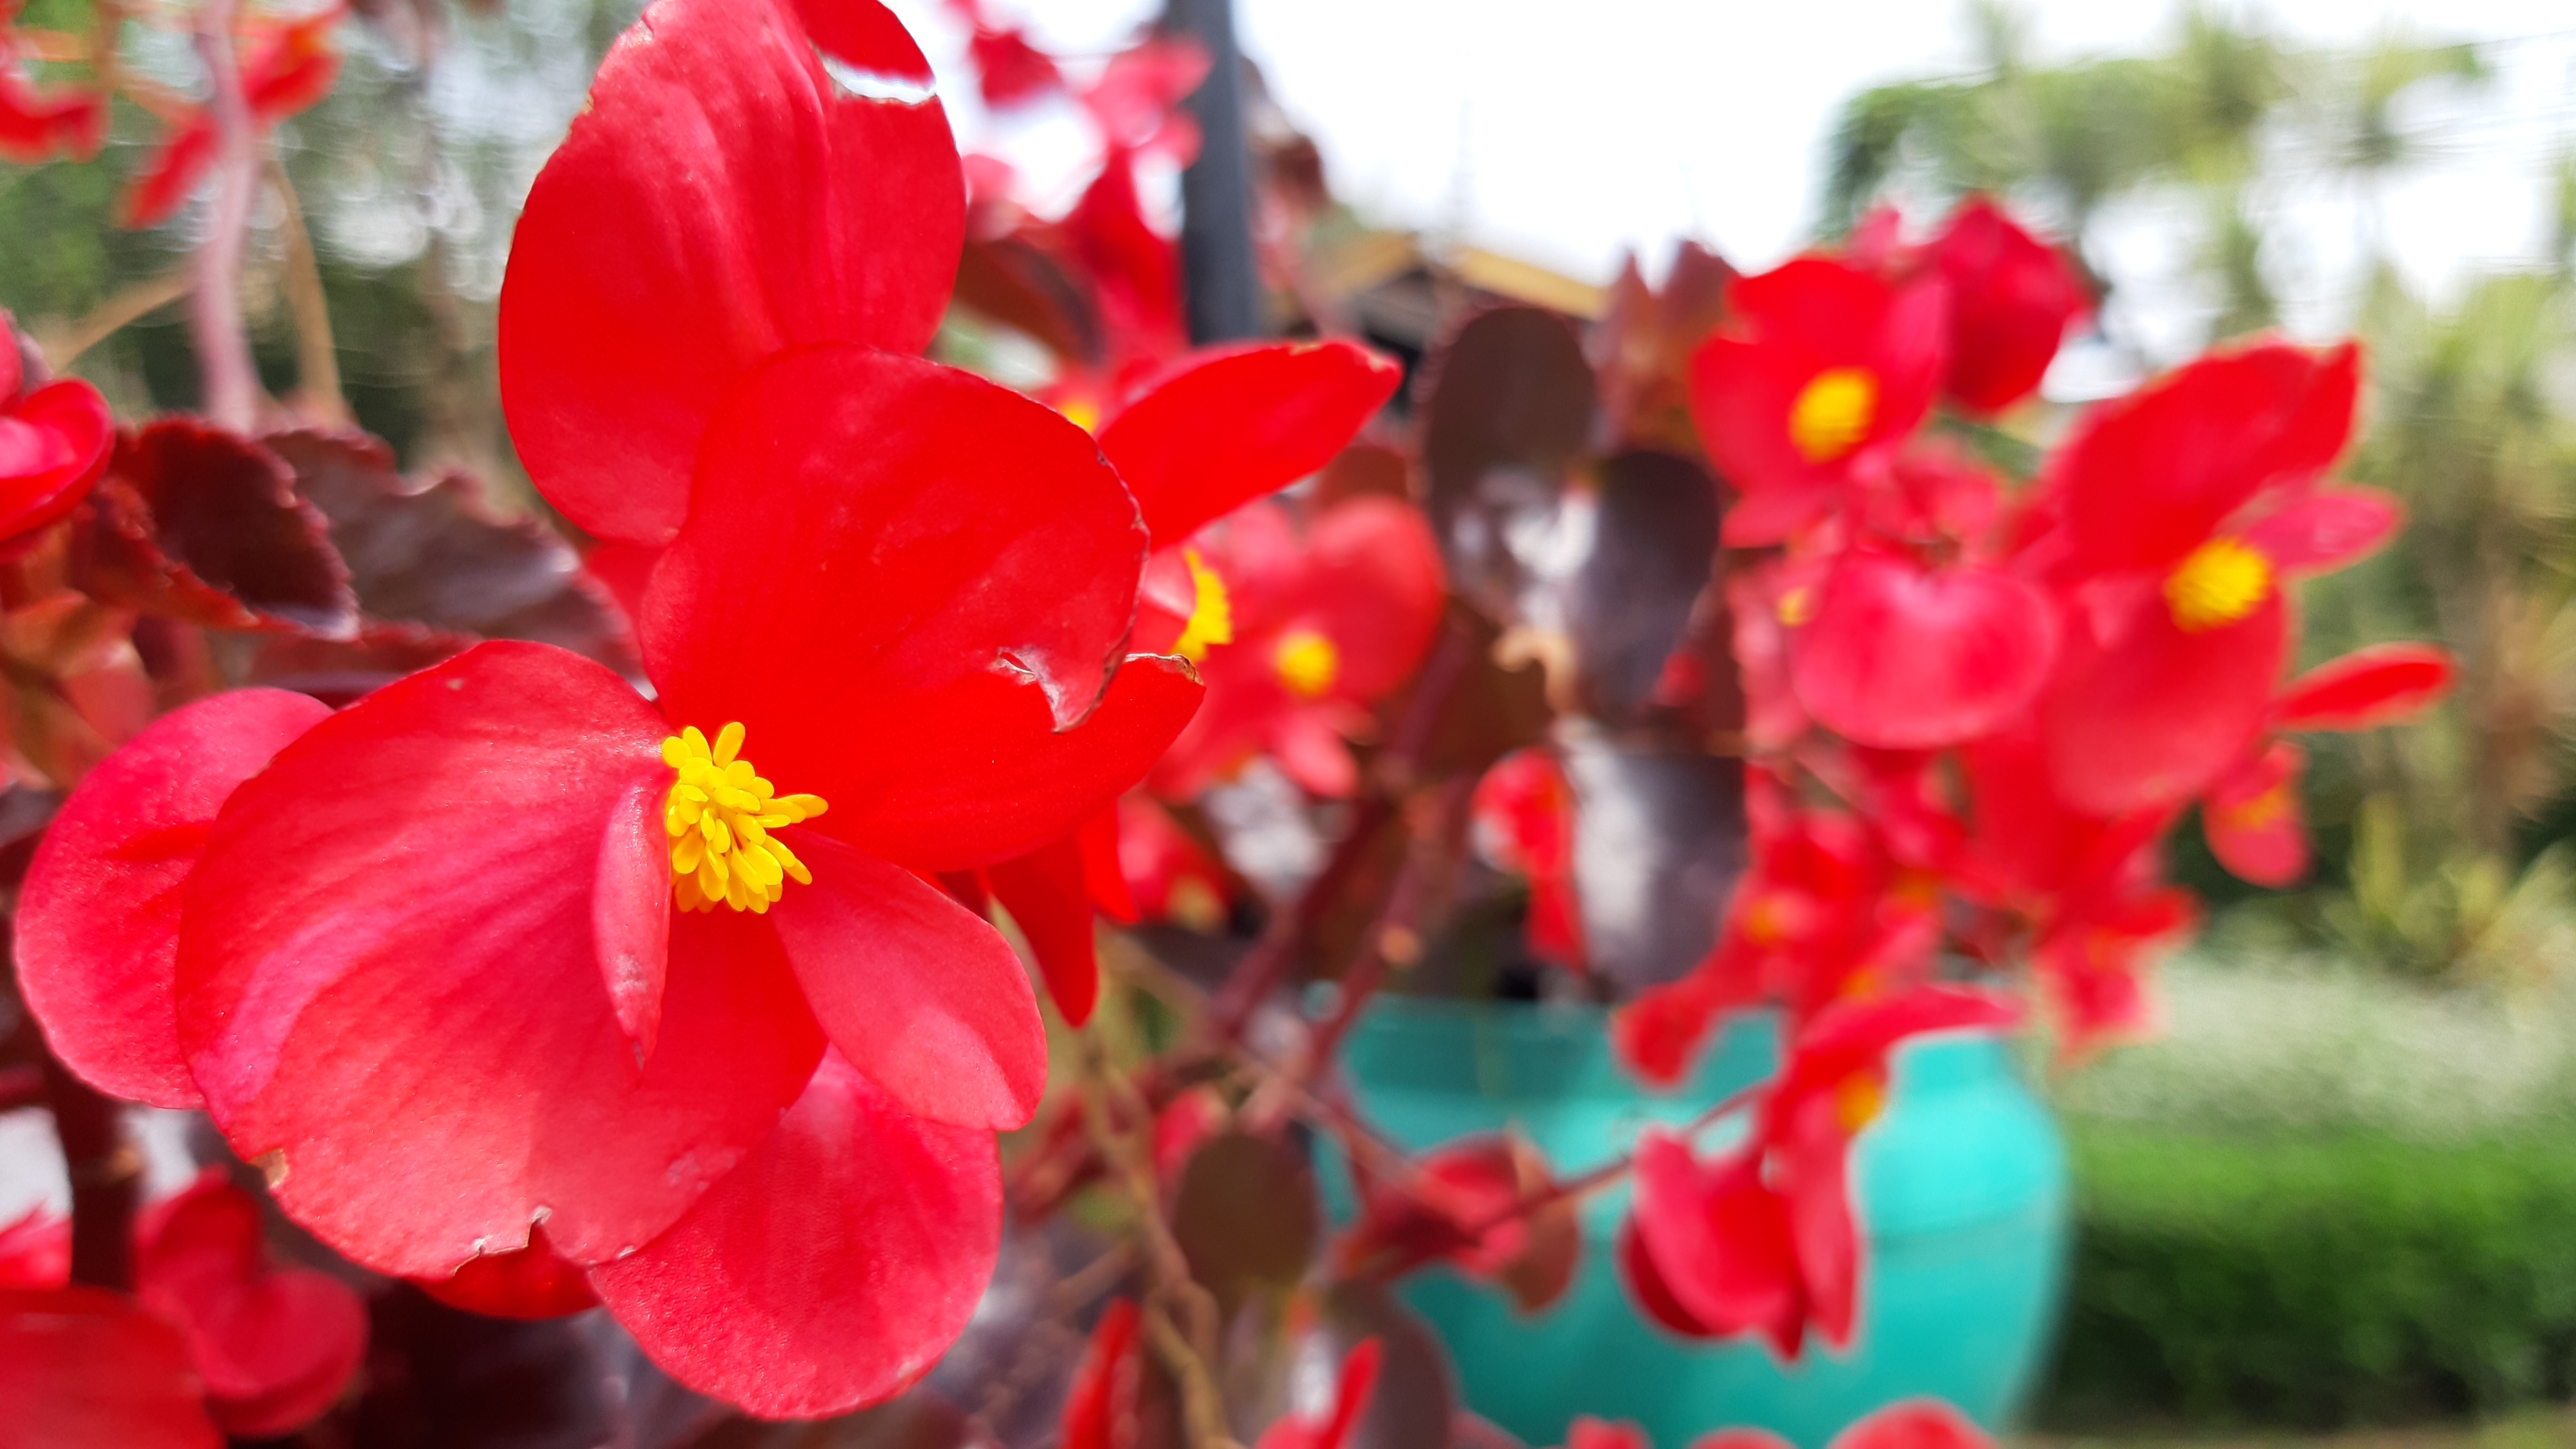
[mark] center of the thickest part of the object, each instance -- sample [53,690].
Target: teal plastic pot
[1962,1190]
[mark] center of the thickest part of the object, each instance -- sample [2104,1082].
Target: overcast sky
[1569,133]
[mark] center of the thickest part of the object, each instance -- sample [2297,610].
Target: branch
[223,348]
[106,1175]
[127,305]
[317,359]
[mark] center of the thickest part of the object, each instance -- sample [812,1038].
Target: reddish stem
[223,347]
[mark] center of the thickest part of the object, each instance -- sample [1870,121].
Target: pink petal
[81,1368]
[832,1268]
[2323,531]
[390,980]
[98,921]
[913,989]
[1903,657]
[2253,819]
[2383,684]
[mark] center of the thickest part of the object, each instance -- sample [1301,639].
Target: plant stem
[106,1176]
[317,360]
[223,347]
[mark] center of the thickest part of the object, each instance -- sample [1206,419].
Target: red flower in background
[1825,369]
[2182,512]
[55,440]
[754,1062]
[1168,876]
[1763,1239]
[2011,300]
[1524,815]
[1353,1387]
[1912,1424]
[269,1348]
[39,123]
[1327,621]
[1487,1206]
[287,68]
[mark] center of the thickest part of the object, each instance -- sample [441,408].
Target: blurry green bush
[2322,1197]
[2315,1282]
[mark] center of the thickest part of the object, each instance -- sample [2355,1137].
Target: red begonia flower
[1658,1034]
[1764,1240]
[727,193]
[1009,70]
[1486,1205]
[1914,1424]
[39,123]
[100,982]
[82,1366]
[270,1348]
[283,72]
[1217,430]
[1135,270]
[1827,368]
[2380,685]
[2011,301]
[2253,820]
[1740,1439]
[1524,816]
[275,1346]
[1318,638]
[1903,657]
[2186,507]
[1332,1429]
[55,441]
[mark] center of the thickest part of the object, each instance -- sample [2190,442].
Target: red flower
[1763,1239]
[1333,1428]
[286,71]
[1169,876]
[1524,816]
[1103,1399]
[55,439]
[1903,657]
[40,123]
[2011,301]
[1914,1424]
[1216,430]
[1487,1206]
[1829,369]
[271,1347]
[2185,509]
[504,943]
[84,1366]
[1324,626]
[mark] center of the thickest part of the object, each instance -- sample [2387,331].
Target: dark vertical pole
[1217,270]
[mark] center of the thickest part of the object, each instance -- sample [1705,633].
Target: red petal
[53,446]
[1225,427]
[630,910]
[2323,531]
[2147,479]
[1720,1238]
[1587,1432]
[1104,1387]
[1102,876]
[903,579]
[1816,1164]
[1738,1439]
[98,921]
[721,197]
[2382,685]
[165,182]
[524,1283]
[1905,658]
[2143,714]
[86,1369]
[1373,584]
[832,1268]
[276,1348]
[2011,300]
[1049,900]
[1646,1284]
[2253,820]
[917,992]
[1914,1424]
[388,976]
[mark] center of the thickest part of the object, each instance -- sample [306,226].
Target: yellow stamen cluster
[1858,1101]
[719,813]
[2222,582]
[1211,611]
[1833,413]
[2259,811]
[1307,663]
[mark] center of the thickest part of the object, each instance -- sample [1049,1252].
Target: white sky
[1569,133]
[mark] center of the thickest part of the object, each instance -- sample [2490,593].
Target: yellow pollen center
[719,813]
[1858,1101]
[1833,413]
[2260,811]
[1307,663]
[1797,606]
[1211,611]
[2222,582]
[1082,412]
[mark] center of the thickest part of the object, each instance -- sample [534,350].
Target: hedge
[2315,1282]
